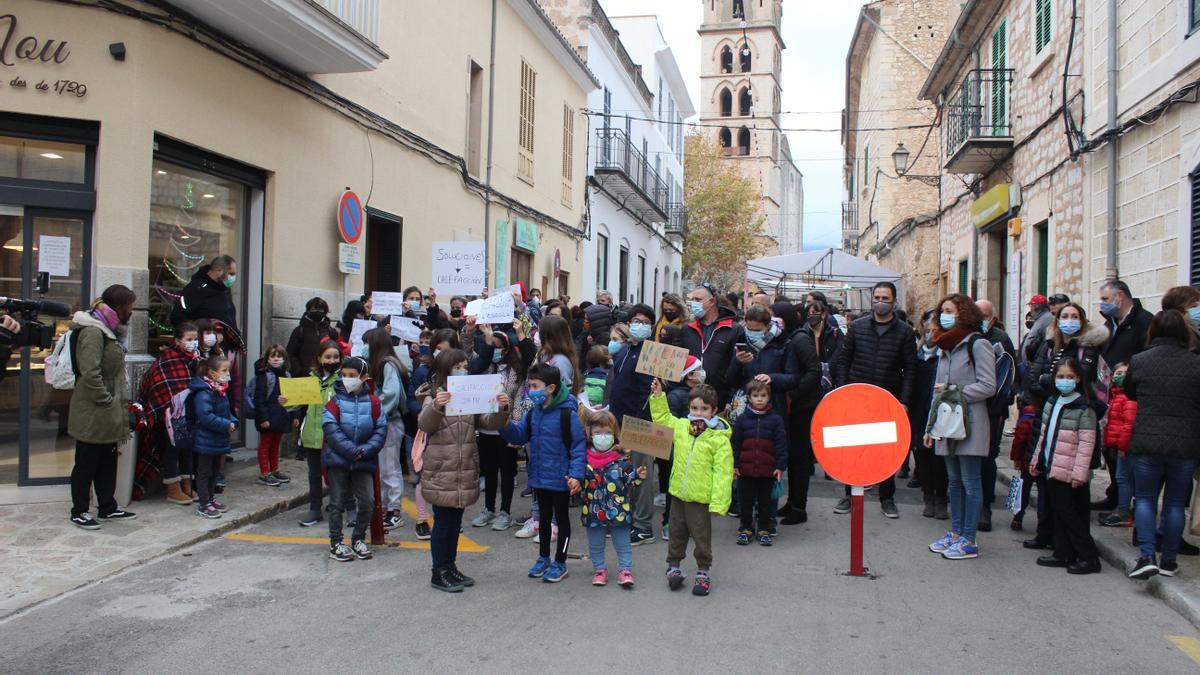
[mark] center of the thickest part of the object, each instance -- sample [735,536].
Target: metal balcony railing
[849,217]
[677,219]
[980,109]
[619,156]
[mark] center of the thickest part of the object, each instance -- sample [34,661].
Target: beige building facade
[147,141]
[888,218]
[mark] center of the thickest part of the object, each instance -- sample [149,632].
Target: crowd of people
[1122,390]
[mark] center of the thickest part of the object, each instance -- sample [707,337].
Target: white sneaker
[528,529]
[660,500]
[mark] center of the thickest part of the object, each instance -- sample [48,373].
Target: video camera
[33,333]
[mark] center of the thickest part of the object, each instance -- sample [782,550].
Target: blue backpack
[1005,377]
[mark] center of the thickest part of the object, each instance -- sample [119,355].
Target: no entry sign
[860,434]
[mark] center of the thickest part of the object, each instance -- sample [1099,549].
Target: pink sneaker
[625,579]
[600,578]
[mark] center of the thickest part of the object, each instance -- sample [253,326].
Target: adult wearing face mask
[672,314]
[997,413]
[628,395]
[305,342]
[1071,335]
[710,337]
[881,350]
[1186,301]
[1127,321]
[209,294]
[804,364]
[99,409]
[415,308]
[168,375]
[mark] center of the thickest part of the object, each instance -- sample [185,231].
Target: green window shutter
[998,82]
[1042,20]
[963,277]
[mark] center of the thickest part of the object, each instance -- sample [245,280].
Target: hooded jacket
[312,436]
[304,345]
[888,360]
[1084,348]
[99,408]
[1128,337]
[353,422]
[1072,442]
[550,463]
[976,379]
[759,443]
[450,463]
[1121,414]
[213,417]
[598,319]
[1165,382]
[266,399]
[715,352]
[702,466]
[204,298]
[771,360]
[806,368]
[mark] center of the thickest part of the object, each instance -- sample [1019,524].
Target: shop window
[32,159]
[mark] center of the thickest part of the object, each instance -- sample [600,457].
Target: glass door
[34,445]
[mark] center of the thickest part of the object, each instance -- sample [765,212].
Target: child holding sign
[700,479]
[608,489]
[326,372]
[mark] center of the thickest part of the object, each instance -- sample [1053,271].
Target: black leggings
[497,460]
[552,503]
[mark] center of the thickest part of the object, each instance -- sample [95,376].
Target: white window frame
[1038,60]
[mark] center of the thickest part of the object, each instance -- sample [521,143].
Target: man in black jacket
[711,337]
[208,294]
[598,320]
[997,413]
[804,365]
[1128,329]
[881,350]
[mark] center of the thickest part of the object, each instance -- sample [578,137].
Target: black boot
[444,582]
[985,520]
[929,509]
[458,577]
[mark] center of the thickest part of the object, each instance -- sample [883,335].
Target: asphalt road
[263,605]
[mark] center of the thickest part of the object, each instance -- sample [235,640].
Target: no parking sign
[350,217]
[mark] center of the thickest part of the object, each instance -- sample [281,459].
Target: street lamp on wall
[900,157]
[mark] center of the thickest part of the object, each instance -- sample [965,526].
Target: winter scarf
[599,460]
[949,339]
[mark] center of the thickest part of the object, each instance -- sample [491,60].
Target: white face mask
[223,378]
[190,346]
[602,442]
[275,362]
[210,339]
[351,384]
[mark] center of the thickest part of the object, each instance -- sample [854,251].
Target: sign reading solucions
[19,50]
[459,267]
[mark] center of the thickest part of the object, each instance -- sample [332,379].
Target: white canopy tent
[829,270]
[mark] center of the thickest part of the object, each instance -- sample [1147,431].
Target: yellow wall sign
[991,205]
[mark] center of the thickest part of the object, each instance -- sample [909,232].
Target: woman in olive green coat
[99,412]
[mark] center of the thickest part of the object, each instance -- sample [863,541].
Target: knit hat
[692,363]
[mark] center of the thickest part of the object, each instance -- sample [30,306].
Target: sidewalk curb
[224,528]
[1170,591]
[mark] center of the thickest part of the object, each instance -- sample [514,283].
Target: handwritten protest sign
[662,361]
[473,307]
[473,394]
[459,267]
[300,390]
[387,304]
[646,437]
[406,329]
[497,309]
[360,327]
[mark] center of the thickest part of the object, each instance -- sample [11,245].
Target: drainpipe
[1110,264]
[487,204]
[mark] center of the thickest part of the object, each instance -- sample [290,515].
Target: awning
[827,269]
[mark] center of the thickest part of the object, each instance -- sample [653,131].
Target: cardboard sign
[459,267]
[360,327]
[473,394]
[301,391]
[497,309]
[662,361]
[387,304]
[406,329]
[647,437]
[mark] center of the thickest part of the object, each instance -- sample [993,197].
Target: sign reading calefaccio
[17,50]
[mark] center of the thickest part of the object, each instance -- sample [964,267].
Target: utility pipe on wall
[1111,269]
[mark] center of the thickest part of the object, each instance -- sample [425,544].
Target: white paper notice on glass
[497,309]
[473,394]
[54,255]
[360,327]
[406,329]
[387,304]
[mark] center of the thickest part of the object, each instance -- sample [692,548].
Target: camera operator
[12,326]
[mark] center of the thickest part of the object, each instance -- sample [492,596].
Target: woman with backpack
[388,376]
[99,410]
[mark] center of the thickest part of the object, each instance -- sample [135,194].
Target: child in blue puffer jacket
[215,422]
[557,449]
[355,429]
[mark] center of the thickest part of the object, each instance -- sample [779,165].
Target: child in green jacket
[312,438]
[701,479]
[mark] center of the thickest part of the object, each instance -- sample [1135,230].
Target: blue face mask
[710,422]
[614,346]
[1108,309]
[697,308]
[423,349]
[947,321]
[538,397]
[497,355]
[1065,386]
[639,331]
[756,335]
[1069,326]
[414,305]
[1194,315]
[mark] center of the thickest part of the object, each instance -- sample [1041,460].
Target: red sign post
[860,436]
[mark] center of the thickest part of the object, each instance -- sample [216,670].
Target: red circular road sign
[860,434]
[350,217]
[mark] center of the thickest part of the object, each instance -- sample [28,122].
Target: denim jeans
[443,541]
[966,494]
[1173,476]
[1124,482]
[620,539]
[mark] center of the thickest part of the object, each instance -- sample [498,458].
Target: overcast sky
[817,34]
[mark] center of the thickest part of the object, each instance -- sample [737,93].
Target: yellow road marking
[1187,645]
[465,544]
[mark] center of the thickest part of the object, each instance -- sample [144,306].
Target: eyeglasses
[639,322]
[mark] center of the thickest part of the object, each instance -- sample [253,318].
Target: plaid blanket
[167,376]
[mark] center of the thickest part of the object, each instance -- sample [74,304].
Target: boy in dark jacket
[760,454]
[355,429]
